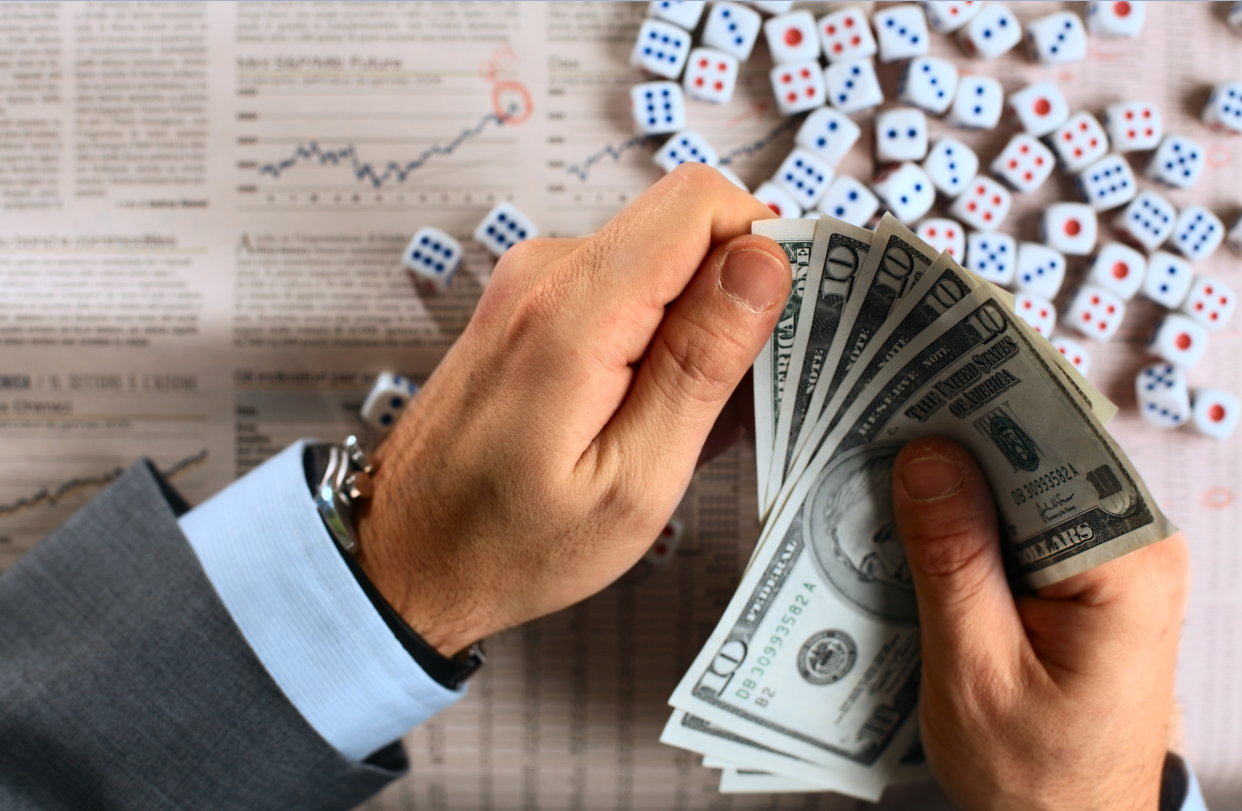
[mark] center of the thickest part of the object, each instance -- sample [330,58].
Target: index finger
[644,257]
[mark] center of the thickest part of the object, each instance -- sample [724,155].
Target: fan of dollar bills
[810,681]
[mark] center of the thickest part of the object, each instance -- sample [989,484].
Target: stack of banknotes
[810,681]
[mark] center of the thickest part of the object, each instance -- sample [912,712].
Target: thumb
[703,347]
[947,519]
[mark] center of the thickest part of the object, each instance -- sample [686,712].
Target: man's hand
[1059,700]
[550,446]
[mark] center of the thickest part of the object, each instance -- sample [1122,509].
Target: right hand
[1056,700]
[552,443]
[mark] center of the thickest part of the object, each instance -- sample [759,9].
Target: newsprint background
[202,207]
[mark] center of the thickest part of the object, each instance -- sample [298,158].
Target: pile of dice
[824,68]
[1050,136]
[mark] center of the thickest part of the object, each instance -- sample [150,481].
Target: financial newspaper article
[202,213]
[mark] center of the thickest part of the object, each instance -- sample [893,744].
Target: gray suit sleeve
[125,684]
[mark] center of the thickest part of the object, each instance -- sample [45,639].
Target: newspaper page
[202,212]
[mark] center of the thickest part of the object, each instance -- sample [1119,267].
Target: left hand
[554,440]
[1051,701]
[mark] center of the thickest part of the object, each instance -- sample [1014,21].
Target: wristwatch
[339,476]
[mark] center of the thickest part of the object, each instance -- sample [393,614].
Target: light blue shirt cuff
[1194,795]
[269,556]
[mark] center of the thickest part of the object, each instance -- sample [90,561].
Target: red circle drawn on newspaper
[512,102]
[1217,498]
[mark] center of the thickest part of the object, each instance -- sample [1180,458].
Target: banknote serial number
[1038,486]
[750,686]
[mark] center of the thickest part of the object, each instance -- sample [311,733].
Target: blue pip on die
[977,104]
[1178,161]
[1223,111]
[387,399]
[503,227]
[992,256]
[432,258]
[658,107]
[951,165]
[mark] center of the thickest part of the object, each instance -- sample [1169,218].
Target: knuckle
[695,173]
[538,307]
[1169,566]
[701,366]
[953,552]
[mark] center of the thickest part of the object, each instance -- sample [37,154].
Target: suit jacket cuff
[270,558]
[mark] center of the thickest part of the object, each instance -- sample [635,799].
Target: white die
[780,201]
[845,35]
[1133,126]
[1024,164]
[1038,109]
[1079,142]
[661,48]
[1148,220]
[1223,111]
[1179,340]
[1214,413]
[852,86]
[828,133]
[792,37]
[1041,270]
[732,177]
[1112,19]
[1168,280]
[907,190]
[1178,162]
[432,257]
[947,17]
[1057,38]
[1074,352]
[731,28]
[685,13]
[503,227]
[984,205]
[664,549]
[1107,183]
[1119,269]
[1210,302]
[992,256]
[1071,228]
[977,103]
[1037,311]
[1197,233]
[1095,312]
[901,32]
[1163,396]
[929,84]
[772,6]
[804,176]
[850,201]
[943,235]
[900,135]
[798,86]
[386,400]
[658,107]
[992,32]
[951,165]
[1235,236]
[711,75]
[686,146]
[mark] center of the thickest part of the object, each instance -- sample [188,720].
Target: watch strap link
[339,476]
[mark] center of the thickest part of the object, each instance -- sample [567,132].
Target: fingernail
[754,279]
[931,478]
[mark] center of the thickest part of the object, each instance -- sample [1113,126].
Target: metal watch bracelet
[339,477]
